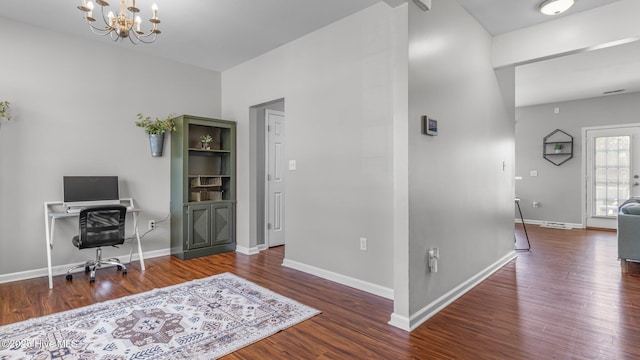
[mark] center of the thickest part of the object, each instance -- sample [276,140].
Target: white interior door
[612,172]
[275,178]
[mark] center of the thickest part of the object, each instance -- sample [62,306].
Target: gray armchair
[629,232]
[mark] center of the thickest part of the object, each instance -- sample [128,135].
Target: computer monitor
[84,191]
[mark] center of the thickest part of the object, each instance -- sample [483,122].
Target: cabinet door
[199,226]
[222,223]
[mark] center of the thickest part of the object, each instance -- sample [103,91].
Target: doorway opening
[267,175]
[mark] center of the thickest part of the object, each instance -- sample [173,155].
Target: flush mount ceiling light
[555,7]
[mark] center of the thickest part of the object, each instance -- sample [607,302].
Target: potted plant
[557,148]
[4,108]
[156,130]
[205,141]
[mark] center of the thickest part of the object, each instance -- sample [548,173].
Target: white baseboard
[62,269]
[401,322]
[246,250]
[340,279]
[417,319]
[554,224]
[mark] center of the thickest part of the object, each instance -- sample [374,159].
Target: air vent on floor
[556,225]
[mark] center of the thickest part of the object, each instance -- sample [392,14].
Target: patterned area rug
[201,319]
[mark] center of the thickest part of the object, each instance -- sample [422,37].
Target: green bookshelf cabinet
[203,187]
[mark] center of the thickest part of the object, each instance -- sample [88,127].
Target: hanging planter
[4,109]
[156,130]
[156,141]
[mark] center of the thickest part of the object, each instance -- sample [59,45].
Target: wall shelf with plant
[557,147]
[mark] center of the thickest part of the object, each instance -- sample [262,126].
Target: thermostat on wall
[429,126]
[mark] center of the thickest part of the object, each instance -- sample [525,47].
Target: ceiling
[219,34]
[212,34]
[572,77]
[502,16]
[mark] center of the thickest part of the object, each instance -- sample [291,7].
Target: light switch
[292,164]
[534,172]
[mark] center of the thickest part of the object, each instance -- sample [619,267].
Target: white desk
[54,210]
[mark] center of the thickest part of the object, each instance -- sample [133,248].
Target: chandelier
[123,24]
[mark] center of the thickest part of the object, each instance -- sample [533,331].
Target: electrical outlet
[152,224]
[363,244]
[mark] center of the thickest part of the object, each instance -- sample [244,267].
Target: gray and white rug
[200,319]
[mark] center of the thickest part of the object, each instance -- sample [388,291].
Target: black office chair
[100,226]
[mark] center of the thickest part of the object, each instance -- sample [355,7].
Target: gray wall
[337,86]
[558,188]
[460,196]
[75,103]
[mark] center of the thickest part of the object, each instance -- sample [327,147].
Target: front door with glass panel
[612,173]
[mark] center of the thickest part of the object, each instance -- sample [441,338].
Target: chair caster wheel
[124,272]
[91,281]
[69,277]
[119,267]
[87,269]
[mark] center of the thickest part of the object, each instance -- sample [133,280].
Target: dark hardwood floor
[566,299]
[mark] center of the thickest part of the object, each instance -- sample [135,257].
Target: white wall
[558,188]
[461,190]
[337,85]
[75,103]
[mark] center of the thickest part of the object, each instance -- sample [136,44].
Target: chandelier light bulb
[112,20]
[90,7]
[555,7]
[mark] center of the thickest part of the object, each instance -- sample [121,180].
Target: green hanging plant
[156,127]
[4,108]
